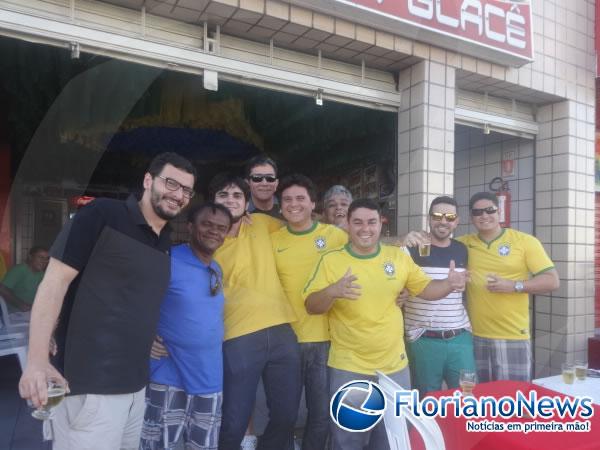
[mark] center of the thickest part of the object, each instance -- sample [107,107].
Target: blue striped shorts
[172,414]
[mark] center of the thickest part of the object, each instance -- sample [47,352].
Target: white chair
[397,428]
[7,322]
[14,344]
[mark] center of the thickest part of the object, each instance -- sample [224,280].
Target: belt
[442,334]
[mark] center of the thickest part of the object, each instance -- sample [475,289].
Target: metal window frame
[35,28]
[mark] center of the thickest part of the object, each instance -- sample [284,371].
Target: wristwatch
[519,286]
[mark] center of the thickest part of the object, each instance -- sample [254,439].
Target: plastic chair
[6,320]
[14,344]
[396,427]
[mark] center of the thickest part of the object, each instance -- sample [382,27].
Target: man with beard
[259,340]
[438,332]
[184,396]
[261,175]
[297,248]
[110,267]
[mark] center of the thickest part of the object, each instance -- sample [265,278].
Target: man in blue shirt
[184,396]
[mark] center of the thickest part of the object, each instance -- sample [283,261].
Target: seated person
[20,283]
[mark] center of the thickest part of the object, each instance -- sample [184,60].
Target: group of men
[304,305]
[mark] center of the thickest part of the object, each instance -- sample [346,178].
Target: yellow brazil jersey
[513,255]
[367,333]
[254,298]
[296,255]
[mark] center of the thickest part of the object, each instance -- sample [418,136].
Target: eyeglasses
[450,217]
[479,211]
[215,282]
[259,178]
[174,185]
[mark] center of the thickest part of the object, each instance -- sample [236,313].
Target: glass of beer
[467,382]
[568,373]
[425,248]
[581,368]
[56,393]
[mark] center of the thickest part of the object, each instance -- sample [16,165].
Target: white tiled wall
[477,161]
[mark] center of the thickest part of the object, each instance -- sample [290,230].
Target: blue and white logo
[504,250]
[320,242]
[357,405]
[389,268]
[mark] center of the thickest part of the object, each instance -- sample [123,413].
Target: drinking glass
[467,380]
[56,393]
[568,373]
[581,368]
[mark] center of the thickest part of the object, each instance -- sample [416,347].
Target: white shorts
[98,422]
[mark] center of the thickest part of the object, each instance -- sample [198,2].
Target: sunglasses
[215,282]
[259,178]
[479,211]
[450,217]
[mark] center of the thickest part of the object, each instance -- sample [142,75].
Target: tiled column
[565,224]
[425,141]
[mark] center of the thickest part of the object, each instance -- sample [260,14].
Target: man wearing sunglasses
[506,266]
[108,272]
[184,397]
[261,175]
[438,332]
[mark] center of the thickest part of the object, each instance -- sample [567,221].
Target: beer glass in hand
[56,393]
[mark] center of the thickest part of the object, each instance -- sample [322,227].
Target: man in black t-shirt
[438,333]
[108,272]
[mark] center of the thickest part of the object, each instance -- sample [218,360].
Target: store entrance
[89,126]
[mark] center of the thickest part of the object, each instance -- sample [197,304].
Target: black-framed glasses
[174,185]
[437,216]
[259,178]
[215,282]
[479,211]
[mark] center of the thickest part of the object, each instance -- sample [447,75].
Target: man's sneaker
[249,442]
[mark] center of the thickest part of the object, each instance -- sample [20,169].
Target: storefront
[474,90]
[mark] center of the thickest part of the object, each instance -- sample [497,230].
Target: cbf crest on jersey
[389,268]
[504,250]
[320,243]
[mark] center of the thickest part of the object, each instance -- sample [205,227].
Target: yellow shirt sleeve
[320,279]
[417,279]
[536,258]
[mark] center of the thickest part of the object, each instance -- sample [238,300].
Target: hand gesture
[456,278]
[346,287]
[416,238]
[158,349]
[498,284]
[402,297]
[33,384]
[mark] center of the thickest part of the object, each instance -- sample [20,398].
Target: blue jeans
[274,354]
[316,391]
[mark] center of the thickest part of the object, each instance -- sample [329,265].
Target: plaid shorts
[502,359]
[171,413]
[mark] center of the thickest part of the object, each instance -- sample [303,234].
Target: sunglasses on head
[259,178]
[215,282]
[480,211]
[437,216]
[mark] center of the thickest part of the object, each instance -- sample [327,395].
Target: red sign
[499,25]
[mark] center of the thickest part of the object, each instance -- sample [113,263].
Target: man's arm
[44,314]
[321,301]
[539,284]
[13,299]
[438,289]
